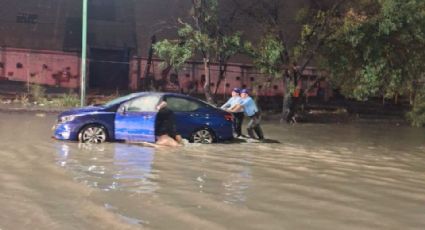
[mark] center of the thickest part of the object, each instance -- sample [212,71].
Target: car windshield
[118,100]
[208,104]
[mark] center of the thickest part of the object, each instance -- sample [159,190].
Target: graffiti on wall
[63,76]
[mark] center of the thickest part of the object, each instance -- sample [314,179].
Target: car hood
[82,110]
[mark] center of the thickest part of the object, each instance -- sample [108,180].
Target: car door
[135,119]
[188,114]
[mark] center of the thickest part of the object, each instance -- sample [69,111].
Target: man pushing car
[251,111]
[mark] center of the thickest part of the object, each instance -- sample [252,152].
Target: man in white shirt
[238,114]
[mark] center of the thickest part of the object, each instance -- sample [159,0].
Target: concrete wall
[41,67]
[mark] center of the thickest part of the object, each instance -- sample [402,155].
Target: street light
[83,55]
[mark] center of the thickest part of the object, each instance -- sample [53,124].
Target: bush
[24,99]
[417,115]
[37,92]
[66,100]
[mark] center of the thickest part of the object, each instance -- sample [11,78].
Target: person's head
[244,93]
[236,92]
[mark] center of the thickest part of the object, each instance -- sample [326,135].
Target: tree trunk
[164,75]
[207,88]
[286,99]
[221,76]
[146,75]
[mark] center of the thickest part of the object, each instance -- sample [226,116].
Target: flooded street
[333,176]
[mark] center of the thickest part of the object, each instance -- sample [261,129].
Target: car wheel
[94,134]
[203,136]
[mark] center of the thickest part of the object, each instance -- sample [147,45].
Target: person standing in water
[251,110]
[238,115]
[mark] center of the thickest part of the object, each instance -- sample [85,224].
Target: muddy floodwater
[320,176]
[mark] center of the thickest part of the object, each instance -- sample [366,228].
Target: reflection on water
[129,168]
[154,174]
[126,167]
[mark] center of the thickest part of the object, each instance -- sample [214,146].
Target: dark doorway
[109,69]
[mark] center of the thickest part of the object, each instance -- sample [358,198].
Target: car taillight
[228,117]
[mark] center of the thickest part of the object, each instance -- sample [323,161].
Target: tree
[275,54]
[227,47]
[381,47]
[205,37]
[379,51]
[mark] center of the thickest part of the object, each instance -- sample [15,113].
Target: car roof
[139,94]
[175,94]
[161,94]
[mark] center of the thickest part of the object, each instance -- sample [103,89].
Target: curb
[31,110]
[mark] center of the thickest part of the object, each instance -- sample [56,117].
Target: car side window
[143,104]
[178,104]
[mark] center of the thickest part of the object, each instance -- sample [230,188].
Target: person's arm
[244,102]
[239,106]
[236,108]
[226,105]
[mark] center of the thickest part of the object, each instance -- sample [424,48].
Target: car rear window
[179,104]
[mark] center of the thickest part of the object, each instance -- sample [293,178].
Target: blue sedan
[132,118]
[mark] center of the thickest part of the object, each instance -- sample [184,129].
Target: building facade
[40,42]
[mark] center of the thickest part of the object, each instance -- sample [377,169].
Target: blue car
[132,118]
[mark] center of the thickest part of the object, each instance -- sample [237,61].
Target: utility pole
[83,55]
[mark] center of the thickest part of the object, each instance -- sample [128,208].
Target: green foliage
[37,92]
[66,100]
[417,115]
[173,53]
[230,45]
[185,31]
[378,51]
[368,47]
[203,37]
[268,55]
[205,15]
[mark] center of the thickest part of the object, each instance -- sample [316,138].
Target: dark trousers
[237,123]
[254,126]
[292,109]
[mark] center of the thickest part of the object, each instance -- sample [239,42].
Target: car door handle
[148,116]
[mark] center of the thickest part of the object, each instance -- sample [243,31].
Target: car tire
[204,136]
[93,134]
